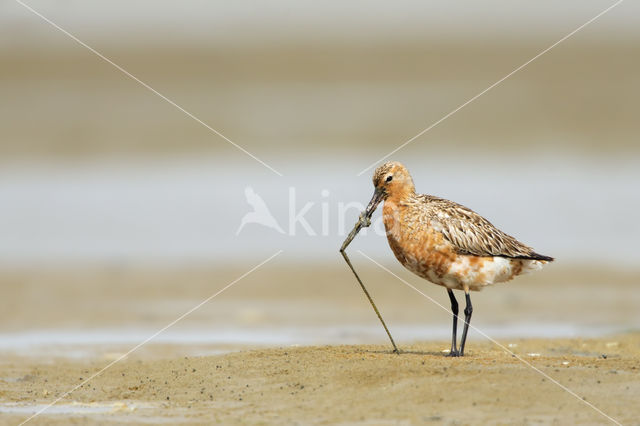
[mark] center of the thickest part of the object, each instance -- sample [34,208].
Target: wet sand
[285,293]
[364,384]
[262,381]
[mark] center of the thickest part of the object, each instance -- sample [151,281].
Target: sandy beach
[363,384]
[256,354]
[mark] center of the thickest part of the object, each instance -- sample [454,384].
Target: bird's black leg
[468,310]
[454,309]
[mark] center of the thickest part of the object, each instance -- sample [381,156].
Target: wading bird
[443,242]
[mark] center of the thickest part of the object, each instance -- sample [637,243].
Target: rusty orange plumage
[446,243]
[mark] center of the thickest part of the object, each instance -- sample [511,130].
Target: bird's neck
[402,194]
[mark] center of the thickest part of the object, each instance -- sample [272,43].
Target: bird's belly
[474,273]
[459,272]
[429,257]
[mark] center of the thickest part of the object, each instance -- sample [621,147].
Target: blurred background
[119,212]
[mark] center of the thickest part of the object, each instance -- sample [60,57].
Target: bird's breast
[415,243]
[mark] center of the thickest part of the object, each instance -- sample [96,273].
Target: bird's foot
[454,354]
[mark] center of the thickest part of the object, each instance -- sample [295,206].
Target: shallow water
[111,343]
[122,412]
[56,409]
[576,209]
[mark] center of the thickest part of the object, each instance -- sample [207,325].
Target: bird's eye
[388,179]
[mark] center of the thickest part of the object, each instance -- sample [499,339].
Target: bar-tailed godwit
[446,243]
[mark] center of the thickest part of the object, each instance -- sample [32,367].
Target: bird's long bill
[377,198]
[365,218]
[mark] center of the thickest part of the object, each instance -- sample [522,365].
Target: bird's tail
[537,256]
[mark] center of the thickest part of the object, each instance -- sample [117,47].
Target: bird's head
[391,179]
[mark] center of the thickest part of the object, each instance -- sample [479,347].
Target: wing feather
[471,233]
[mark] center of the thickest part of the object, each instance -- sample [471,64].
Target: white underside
[462,274]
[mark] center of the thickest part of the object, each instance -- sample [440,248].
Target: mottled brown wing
[470,233]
